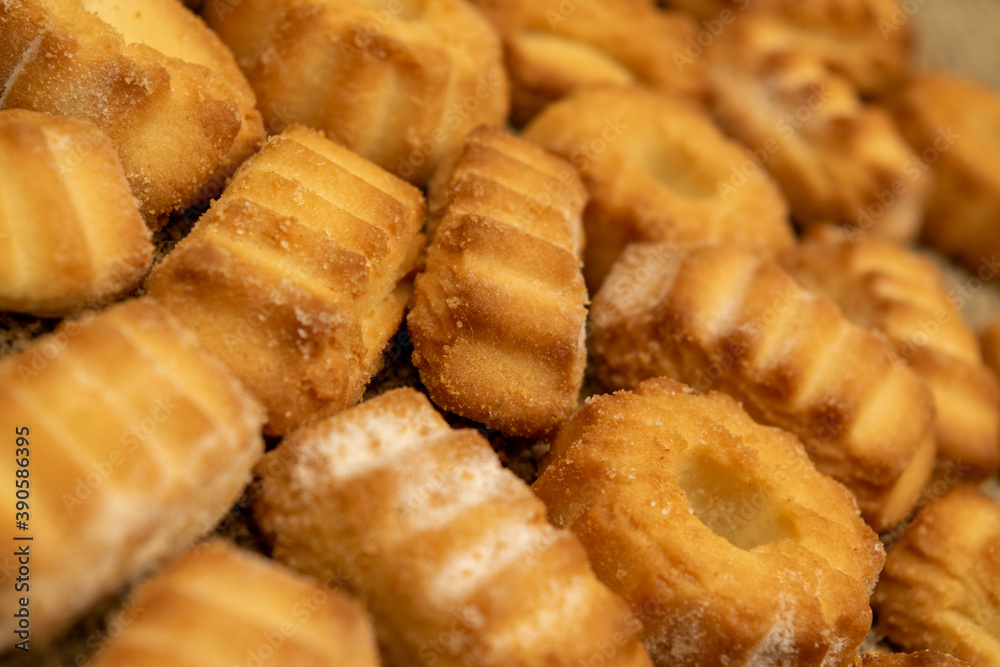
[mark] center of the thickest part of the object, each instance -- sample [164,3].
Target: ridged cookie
[498,314]
[881,286]
[298,275]
[451,553]
[150,75]
[400,82]
[868,41]
[940,588]
[136,441]
[720,532]
[718,317]
[220,606]
[71,236]
[837,159]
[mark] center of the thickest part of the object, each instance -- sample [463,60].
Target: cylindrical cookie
[498,314]
[220,606]
[451,553]
[399,82]
[719,317]
[940,588]
[128,441]
[893,290]
[71,236]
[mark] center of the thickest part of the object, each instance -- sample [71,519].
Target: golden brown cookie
[881,286]
[149,74]
[836,158]
[220,606]
[554,47]
[399,82]
[298,276]
[451,553]
[720,532]
[71,236]
[498,314]
[658,169]
[954,126]
[868,41]
[940,588]
[128,441]
[719,317]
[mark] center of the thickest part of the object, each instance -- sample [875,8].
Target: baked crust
[149,74]
[719,531]
[868,41]
[718,317]
[451,553]
[884,287]
[400,83]
[139,442]
[837,159]
[940,588]
[221,605]
[298,275]
[656,168]
[498,315]
[554,47]
[71,236]
[954,124]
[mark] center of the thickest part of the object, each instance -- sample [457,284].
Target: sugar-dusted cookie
[298,275]
[220,606]
[149,74]
[451,553]
[400,82]
[127,441]
[940,588]
[498,314]
[718,530]
[719,317]
[71,236]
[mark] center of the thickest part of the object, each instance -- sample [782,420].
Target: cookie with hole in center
[720,532]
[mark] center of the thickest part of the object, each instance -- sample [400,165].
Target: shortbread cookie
[149,74]
[220,606]
[554,47]
[498,315]
[718,530]
[658,169]
[893,290]
[941,585]
[298,276]
[868,41]
[718,317]
[130,441]
[954,124]
[836,158]
[71,236]
[400,82]
[451,553]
